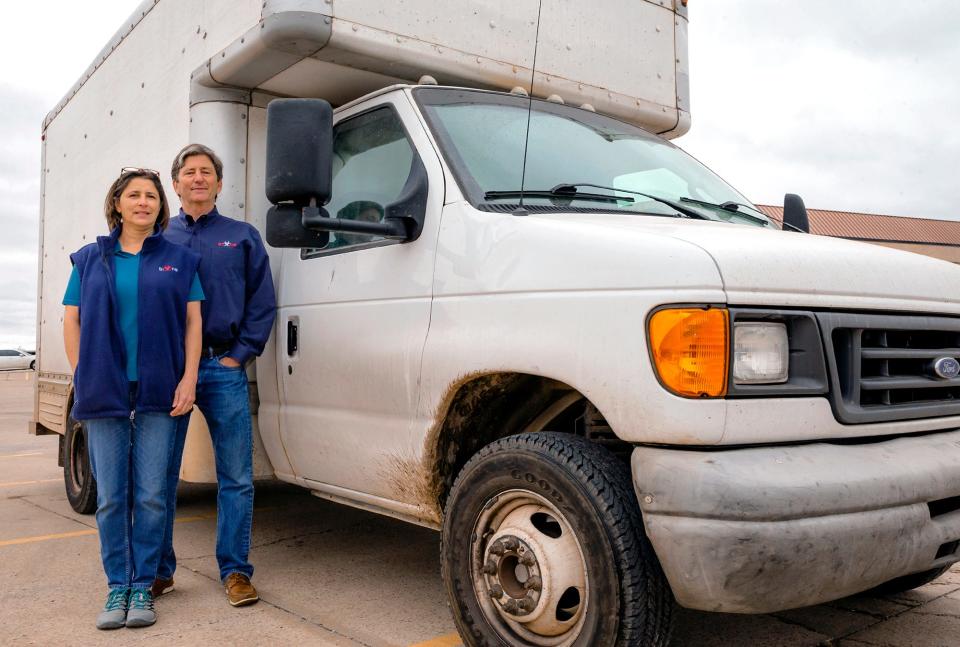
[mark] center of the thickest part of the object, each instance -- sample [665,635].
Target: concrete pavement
[327,574]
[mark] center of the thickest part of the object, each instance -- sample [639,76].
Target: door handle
[292,341]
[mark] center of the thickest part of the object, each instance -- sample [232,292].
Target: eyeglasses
[142,171]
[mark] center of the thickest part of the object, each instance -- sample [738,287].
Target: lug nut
[528,559]
[526,604]
[511,606]
[534,583]
[497,547]
[490,567]
[511,543]
[496,591]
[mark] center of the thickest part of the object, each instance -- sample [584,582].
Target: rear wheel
[78,478]
[543,545]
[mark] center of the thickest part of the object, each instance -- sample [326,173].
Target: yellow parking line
[91,531]
[450,640]
[13,483]
[198,517]
[21,454]
[61,535]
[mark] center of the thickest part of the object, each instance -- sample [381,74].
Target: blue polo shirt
[126,273]
[240,305]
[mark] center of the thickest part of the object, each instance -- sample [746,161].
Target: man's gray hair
[195,149]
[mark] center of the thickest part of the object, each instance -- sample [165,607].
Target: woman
[132,332]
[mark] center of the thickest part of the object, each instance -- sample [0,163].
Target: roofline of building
[899,242]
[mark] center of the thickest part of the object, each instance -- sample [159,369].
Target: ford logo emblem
[946,367]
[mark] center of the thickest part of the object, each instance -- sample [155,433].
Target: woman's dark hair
[116,190]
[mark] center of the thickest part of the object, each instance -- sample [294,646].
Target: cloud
[845,104]
[19,212]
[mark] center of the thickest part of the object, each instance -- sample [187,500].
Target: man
[237,318]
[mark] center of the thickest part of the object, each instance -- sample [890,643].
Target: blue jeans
[130,459]
[223,400]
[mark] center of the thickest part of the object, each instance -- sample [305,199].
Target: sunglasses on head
[142,171]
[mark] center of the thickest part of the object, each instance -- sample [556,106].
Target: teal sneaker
[114,614]
[140,612]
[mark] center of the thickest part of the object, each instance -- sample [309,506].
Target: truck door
[353,316]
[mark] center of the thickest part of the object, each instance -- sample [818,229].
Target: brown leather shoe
[161,586]
[240,592]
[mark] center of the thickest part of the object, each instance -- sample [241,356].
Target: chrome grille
[882,367]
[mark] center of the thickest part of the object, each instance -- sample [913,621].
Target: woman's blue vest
[101,389]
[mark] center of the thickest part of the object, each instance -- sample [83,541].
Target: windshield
[482,134]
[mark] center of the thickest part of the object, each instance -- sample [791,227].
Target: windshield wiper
[732,207]
[555,194]
[682,211]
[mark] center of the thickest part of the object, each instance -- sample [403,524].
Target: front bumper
[763,529]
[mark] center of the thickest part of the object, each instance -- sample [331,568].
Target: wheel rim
[78,458]
[528,570]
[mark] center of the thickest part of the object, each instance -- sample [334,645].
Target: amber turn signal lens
[690,350]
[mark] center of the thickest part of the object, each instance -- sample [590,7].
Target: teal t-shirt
[126,272]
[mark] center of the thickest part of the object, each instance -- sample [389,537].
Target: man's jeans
[130,461]
[223,400]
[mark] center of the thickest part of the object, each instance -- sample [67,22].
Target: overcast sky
[850,104]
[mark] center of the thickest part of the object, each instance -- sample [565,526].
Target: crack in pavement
[916,608]
[797,623]
[871,614]
[300,536]
[938,615]
[59,514]
[277,541]
[320,625]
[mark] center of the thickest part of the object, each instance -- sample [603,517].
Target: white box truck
[533,323]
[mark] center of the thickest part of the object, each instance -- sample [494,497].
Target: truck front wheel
[78,478]
[543,545]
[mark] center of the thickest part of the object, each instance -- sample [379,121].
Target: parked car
[11,359]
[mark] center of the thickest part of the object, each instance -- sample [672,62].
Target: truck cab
[777,407]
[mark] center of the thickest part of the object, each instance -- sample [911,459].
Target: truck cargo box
[626,58]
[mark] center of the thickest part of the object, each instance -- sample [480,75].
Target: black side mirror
[299,151]
[300,176]
[299,169]
[285,229]
[795,214]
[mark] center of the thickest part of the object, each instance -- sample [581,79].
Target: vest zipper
[112,291]
[139,322]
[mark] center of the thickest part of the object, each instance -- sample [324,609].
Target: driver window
[371,162]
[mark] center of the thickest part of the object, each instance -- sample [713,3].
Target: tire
[78,478]
[33,365]
[543,544]
[908,582]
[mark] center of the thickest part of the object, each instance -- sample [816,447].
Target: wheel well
[492,406]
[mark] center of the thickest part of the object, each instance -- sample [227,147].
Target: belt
[214,350]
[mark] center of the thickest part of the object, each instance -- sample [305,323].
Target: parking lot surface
[327,574]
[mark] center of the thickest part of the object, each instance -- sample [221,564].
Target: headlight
[689,347]
[760,353]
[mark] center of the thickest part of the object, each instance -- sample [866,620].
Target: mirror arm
[315,218]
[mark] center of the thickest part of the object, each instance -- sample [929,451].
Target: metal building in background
[936,238]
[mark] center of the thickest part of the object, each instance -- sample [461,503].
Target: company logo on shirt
[168,268]
[226,243]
